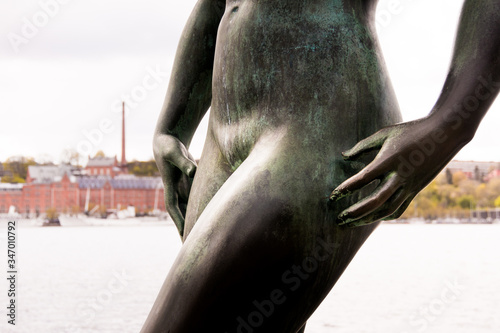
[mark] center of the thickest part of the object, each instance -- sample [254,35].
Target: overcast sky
[63,74]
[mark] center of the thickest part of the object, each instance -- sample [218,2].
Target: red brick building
[492,175]
[104,166]
[144,193]
[103,183]
[480,171]
[10,195]
[69,190]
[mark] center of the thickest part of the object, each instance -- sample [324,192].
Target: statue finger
[370,143]
[172,207]
[371,172]
[182,160]
[377,199]
[391,206]
[400,210]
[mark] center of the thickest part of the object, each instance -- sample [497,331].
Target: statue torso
[313,64]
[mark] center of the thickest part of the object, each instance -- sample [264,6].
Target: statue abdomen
[324,72]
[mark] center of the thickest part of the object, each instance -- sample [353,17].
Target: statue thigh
[262,255]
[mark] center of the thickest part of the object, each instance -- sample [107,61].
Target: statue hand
[409,156]
[177,168]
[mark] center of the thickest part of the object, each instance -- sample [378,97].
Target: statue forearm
[189,93]
[473,81]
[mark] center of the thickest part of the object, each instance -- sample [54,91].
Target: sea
[105,278]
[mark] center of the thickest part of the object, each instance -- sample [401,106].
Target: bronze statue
[291,85]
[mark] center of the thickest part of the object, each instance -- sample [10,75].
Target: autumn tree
[143,168]
[15,169]
[52,213]
[454,195]
[71,156]
[100,153]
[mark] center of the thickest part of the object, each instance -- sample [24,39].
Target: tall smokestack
[124,160]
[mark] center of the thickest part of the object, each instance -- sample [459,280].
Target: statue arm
[474,72]
[411,154]
[187,100]
[189,92]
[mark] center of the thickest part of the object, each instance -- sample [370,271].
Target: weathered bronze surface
[291,85]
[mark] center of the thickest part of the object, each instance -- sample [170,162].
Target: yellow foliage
[52,213]
[458,177]
[440,199]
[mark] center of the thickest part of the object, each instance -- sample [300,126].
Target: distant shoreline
[155,221]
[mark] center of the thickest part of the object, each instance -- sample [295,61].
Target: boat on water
[51,222]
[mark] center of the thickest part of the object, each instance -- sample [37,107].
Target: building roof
[120,182]
[132,182]
[43,174]
[101,162]
[93,181]
[470,166]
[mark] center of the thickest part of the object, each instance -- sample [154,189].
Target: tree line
[15,168]
[454,195]
[448,195]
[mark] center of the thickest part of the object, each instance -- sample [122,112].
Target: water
[407,278]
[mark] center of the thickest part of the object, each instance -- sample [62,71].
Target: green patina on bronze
[291,85]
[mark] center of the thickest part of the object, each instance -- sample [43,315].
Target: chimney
[124,160]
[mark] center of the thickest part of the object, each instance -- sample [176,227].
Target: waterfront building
[479,171]
[103,186]
[104,166]
[69,190]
